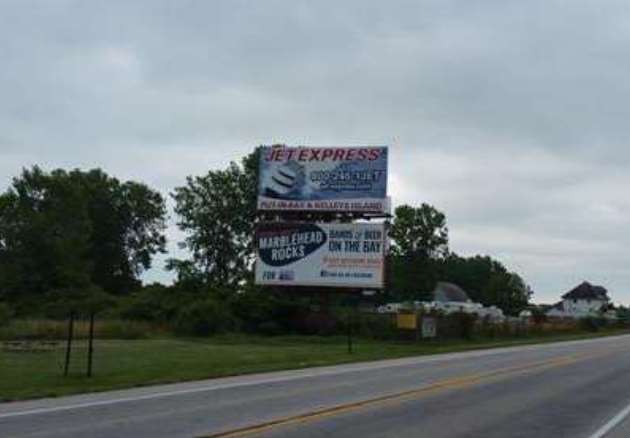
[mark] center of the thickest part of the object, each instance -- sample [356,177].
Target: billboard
[348,179]
[309,254]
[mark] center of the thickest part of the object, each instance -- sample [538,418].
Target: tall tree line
[420,257]
[75,230]
[218,213]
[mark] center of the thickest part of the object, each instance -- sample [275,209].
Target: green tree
[507,291]
[421,257]
[67,231]
[420,239]
[487,281]
[419,231]
[411,278]
[45,231]
[217,211]
[471,273]
[128,221]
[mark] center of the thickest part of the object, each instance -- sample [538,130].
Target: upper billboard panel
[343,179]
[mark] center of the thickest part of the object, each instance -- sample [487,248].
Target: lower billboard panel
[308,254]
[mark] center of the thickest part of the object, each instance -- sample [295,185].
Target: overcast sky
[512,117]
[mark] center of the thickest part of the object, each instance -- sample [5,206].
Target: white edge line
[612,423]
[157,395]
[318,373]
[314,373]
[195,390]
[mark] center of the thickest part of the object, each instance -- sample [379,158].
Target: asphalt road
[572,389]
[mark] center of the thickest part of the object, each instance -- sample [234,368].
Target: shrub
[460,325]
[255,310]
[291,314]
[377,326]
[320,323]
[6,313]
[538,316]
[488,328]
[269,328]
[204,318]
[155,303]
[60,302]
[592,324]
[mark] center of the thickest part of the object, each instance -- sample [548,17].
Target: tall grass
[367,326]
[56,329]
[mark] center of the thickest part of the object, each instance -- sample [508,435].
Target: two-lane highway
[572,389]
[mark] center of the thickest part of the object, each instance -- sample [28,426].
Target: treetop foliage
[63,230]
[218,213]
[63,233]
[419,231]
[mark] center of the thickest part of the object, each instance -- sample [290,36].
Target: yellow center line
[439,386]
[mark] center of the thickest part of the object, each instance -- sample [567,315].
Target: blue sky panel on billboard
[324,179]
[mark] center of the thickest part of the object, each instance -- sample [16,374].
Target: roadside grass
[130,363]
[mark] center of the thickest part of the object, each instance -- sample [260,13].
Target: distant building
[582,301]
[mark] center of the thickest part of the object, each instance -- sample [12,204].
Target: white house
[582,301]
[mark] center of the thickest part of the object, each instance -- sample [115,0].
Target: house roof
[587,291]
[449,292]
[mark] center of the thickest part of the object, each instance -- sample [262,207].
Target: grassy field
[128,363]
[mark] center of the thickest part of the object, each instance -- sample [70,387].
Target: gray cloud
[509,116]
